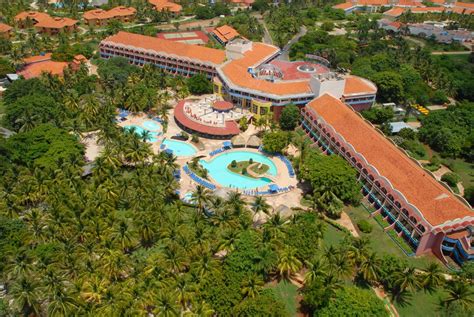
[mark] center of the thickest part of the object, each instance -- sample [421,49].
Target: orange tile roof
[225,33]
[345,5]
[358,86]
[237,72]
[165,5]
[201,53]
[464,5]
[56,23]
[99,14]
[372,2]
[436,203]
[36,69]
[394,12]
[33,15]
[4,28]
[427,9]
[37,58]
[44,20]
[461,10]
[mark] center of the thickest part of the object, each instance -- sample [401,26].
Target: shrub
[244,171]
[233,163]
[469,194]
[364,226]
[195,138]
[184,135]
[452,179]
[251,161]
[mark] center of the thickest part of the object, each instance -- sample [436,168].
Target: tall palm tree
[260,204]
[318,267]
[432,277]
[407,280]
[370,267]
[200,197]
[252,286]
[165,305]
[24,292]
[459,294]
[288,264]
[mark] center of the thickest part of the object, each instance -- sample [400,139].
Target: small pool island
[248,168]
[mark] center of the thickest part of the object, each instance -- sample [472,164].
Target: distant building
[245,74]
[245,4]
[166,6]
[224,34]
[416,6]
[187,37]
[34,66]
[99,17]
[412,203]
[44,23]
[5,31]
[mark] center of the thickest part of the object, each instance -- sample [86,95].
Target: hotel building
[245,73]
[412,204]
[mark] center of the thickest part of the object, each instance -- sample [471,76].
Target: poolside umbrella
[227,144]
[238,141]
[273,187]
[254,141]
[123,114]
[169,151]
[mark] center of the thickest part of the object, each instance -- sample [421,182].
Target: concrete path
[346,222]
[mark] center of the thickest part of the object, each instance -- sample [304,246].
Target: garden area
[243,167]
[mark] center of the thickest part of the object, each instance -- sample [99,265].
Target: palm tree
[432,277]
[24,292]
[260,204]
[61,303]
[200,197]
[459,294]
[407,280]
[370,267]
[165,305]
[319,267]
[288,263]
[252,286]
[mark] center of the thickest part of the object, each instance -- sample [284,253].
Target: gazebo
[238,141]
[254,141]
[222,106]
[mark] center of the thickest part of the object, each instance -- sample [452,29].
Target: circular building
[222,106]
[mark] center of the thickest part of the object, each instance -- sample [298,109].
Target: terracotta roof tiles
[435,202]
[5,28]
[200,53]
[225,33]
[100,14]
[358,86]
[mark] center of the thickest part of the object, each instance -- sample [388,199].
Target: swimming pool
[180,148]
[139,131]
[151,125]
[217,168]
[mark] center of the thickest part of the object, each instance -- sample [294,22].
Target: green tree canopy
[331,172]
[290,116]
[264,304]
[199,84]
[353,301]
[275,142]
[44,146]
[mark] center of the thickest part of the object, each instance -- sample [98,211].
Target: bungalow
[166,6]
[99,17]
[224,34]
[44,23]
[5,31]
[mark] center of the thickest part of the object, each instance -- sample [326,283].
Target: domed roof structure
[269,72]
[220,105]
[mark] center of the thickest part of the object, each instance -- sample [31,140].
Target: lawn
[2,108]
[287,292]
[239,167]
[333,236]
[463,168]
[421,304]
[381,242]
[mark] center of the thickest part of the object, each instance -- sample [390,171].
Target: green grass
[421,304]
[240,166]
[402,243]
[333,236]
[463,169]
[287,292]
[2,108]
[381,242]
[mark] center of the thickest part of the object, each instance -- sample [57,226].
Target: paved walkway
[346,222]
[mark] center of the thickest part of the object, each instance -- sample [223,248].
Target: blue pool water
[151,125]
[180,148]
[217,168]
[139,130]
